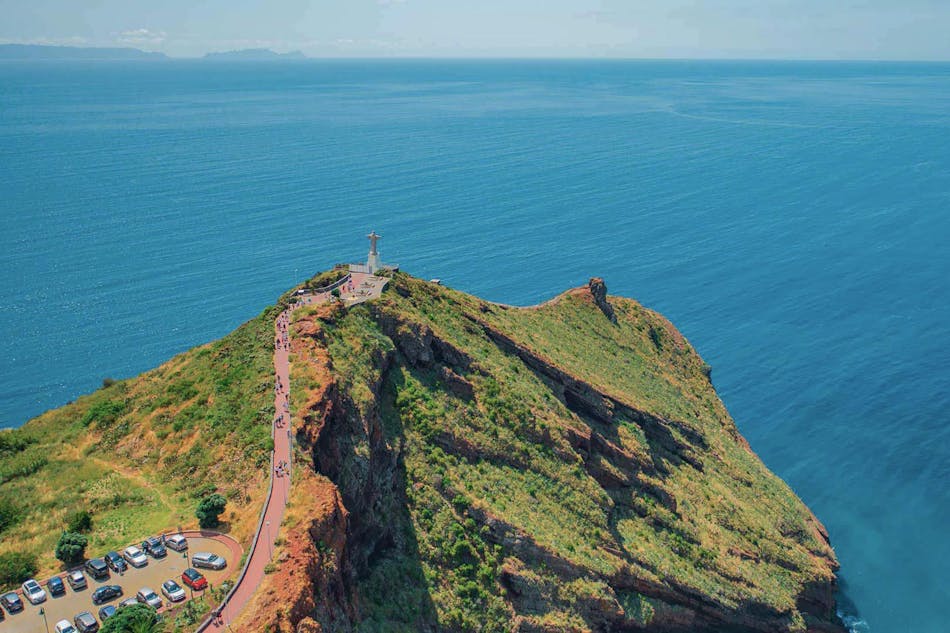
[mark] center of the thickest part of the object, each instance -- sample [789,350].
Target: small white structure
[373,262]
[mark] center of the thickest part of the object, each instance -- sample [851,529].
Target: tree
[71,548]
[79,521]
[135,618]
[16,567]
[209,509]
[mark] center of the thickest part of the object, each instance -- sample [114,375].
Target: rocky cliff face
[560,468]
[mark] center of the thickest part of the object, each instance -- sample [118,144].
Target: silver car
[149,597]
[176,542]
[173,591]
[33,592]
[208,561]
[135,556]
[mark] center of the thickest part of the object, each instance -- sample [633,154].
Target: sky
[772,29]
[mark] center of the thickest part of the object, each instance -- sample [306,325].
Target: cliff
[566,467]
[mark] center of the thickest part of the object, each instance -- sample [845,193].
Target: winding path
[355,288]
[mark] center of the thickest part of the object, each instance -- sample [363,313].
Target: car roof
[85,615]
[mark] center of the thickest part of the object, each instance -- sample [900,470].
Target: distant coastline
[77,53]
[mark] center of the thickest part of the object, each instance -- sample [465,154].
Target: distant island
[40,52]
[37,51]
[253,54]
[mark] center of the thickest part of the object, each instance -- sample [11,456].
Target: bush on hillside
[10,514]
[79,521]
[209,509]
[16,567]
[71,548]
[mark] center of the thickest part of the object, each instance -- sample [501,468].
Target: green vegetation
[135,618]
[15,568]
[71,548]
[124,460]
[209,509]
[669,492]
[79,521]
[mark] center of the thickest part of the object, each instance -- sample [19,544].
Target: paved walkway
[358,288]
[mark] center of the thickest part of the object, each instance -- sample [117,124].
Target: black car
[154,547]
[11,602]
[106,593]
[115,562]
[56,586]
[97,568]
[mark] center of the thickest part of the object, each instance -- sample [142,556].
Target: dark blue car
[56,586]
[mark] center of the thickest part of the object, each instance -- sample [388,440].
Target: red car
[194,579]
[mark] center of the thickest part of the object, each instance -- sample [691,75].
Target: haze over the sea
[789,218]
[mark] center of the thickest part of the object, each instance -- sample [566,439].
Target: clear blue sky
[798,29]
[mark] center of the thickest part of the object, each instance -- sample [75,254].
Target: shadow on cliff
[390,585]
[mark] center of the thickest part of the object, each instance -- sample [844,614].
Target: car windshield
[11,597]
[31,586]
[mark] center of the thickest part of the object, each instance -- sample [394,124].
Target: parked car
[11,601]
[194,579]
[65,626]
[106,612]
[208,561]
[128,602]
[97,568]
[153,546]
[76,579]
[56,586]
[134,556]
[173,591]
[33,592]
[115,562]
[106,593]
[176,542]
[86,623]
[149,597]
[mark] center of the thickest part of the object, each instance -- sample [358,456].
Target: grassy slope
[137,454]
[738,533]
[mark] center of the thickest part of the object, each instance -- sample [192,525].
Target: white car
[149,597]
[173,591]
[176,542]
[33,592]
[65,626]
[135,556]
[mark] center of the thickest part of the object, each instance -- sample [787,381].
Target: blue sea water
[792,219]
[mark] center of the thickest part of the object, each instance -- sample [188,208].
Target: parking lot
[66,606]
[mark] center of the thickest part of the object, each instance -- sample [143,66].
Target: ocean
[792,219]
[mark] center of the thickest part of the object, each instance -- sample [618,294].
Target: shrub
[135,618]
[10,514]
[209,509]
[79,521]
[107,382]
[71,548]
[16,567]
